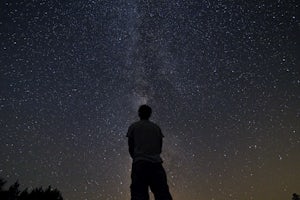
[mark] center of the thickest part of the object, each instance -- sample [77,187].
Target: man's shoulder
[143,125]
[135,124]
[154,124]
[144,122]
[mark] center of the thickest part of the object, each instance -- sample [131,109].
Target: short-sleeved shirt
[147,139]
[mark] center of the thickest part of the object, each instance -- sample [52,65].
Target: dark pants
[146,174]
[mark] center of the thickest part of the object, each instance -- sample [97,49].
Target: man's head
[145,112]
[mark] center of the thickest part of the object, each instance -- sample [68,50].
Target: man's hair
[145,112]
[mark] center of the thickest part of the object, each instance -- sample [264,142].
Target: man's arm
[161,145]
[130,141]
[161,140]
[131,146]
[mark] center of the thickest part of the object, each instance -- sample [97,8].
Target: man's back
[147,139]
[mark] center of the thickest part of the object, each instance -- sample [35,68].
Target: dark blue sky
[222,78]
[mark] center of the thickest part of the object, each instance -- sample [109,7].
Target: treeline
[295,197]
[13,193]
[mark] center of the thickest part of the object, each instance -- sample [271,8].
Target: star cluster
[222,78]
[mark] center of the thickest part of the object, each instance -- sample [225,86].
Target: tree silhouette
[295,197]
[2,183]
[13,193]
[3,193]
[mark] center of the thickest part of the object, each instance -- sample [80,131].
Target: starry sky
[222,78]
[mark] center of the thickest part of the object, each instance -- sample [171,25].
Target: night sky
[222,78]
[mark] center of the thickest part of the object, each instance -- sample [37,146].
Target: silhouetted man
[145,144]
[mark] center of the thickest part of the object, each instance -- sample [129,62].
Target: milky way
[222,78]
